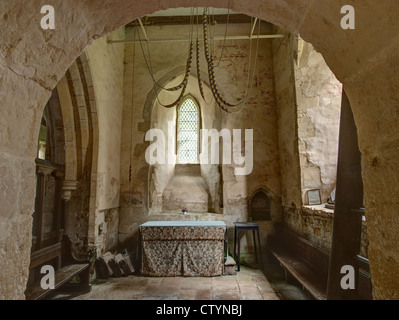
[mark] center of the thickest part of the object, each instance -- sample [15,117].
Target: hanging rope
[225,36]
[248,89]
[201,88]
[223,104]
[190,56]
[211,72]
[183,84]
[185,81]
[188,70]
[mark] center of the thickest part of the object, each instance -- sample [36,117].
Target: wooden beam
[185,20]
[347,222]
[216,38]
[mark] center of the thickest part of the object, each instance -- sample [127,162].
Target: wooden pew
[302,260]
[67,268]
[364,287]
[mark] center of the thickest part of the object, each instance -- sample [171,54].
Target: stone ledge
[188,215]
[319,209]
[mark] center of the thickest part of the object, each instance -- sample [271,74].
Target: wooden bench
[307,263]
[364,291]
[67,268]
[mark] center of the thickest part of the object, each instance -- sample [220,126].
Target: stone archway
[33,60]
[78,105]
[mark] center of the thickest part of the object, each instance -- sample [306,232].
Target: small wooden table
[246,226]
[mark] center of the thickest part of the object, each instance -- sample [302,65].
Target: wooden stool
[246,226]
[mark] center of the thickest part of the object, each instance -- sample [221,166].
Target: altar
[183,248]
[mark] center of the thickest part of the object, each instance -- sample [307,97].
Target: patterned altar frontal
[182,248]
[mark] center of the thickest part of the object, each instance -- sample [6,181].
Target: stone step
[230,266]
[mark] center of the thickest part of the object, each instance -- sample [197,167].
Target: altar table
[182,248]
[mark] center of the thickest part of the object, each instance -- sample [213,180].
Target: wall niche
[259,206]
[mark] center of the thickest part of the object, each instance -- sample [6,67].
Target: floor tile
[204,294]
[187,294]
[226,295]
[248,284]
[250,293]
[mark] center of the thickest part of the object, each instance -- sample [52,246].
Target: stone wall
[318,96]
[308,102]
[106,64]
[284,77]
[79,127]
[315,223]
[107,222]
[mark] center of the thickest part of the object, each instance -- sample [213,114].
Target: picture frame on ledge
[313,197]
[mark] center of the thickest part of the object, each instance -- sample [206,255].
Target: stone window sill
[180,215]
[322,209]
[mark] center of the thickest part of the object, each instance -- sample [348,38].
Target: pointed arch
[260,205]
[188,125]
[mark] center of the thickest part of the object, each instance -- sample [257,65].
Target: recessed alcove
[187,189]
[259,206]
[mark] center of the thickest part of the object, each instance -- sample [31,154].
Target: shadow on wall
[264,210]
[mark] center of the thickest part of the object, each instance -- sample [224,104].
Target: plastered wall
[106,64]
[318,96]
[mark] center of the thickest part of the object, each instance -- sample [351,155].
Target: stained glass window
[188,128]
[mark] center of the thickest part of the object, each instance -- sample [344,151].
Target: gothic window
[41,149]
[188,125]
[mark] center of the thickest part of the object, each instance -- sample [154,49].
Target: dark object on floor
[114,265]
[102,266]
[125,262]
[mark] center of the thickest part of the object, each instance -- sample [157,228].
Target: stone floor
[248,284]
[286,291]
